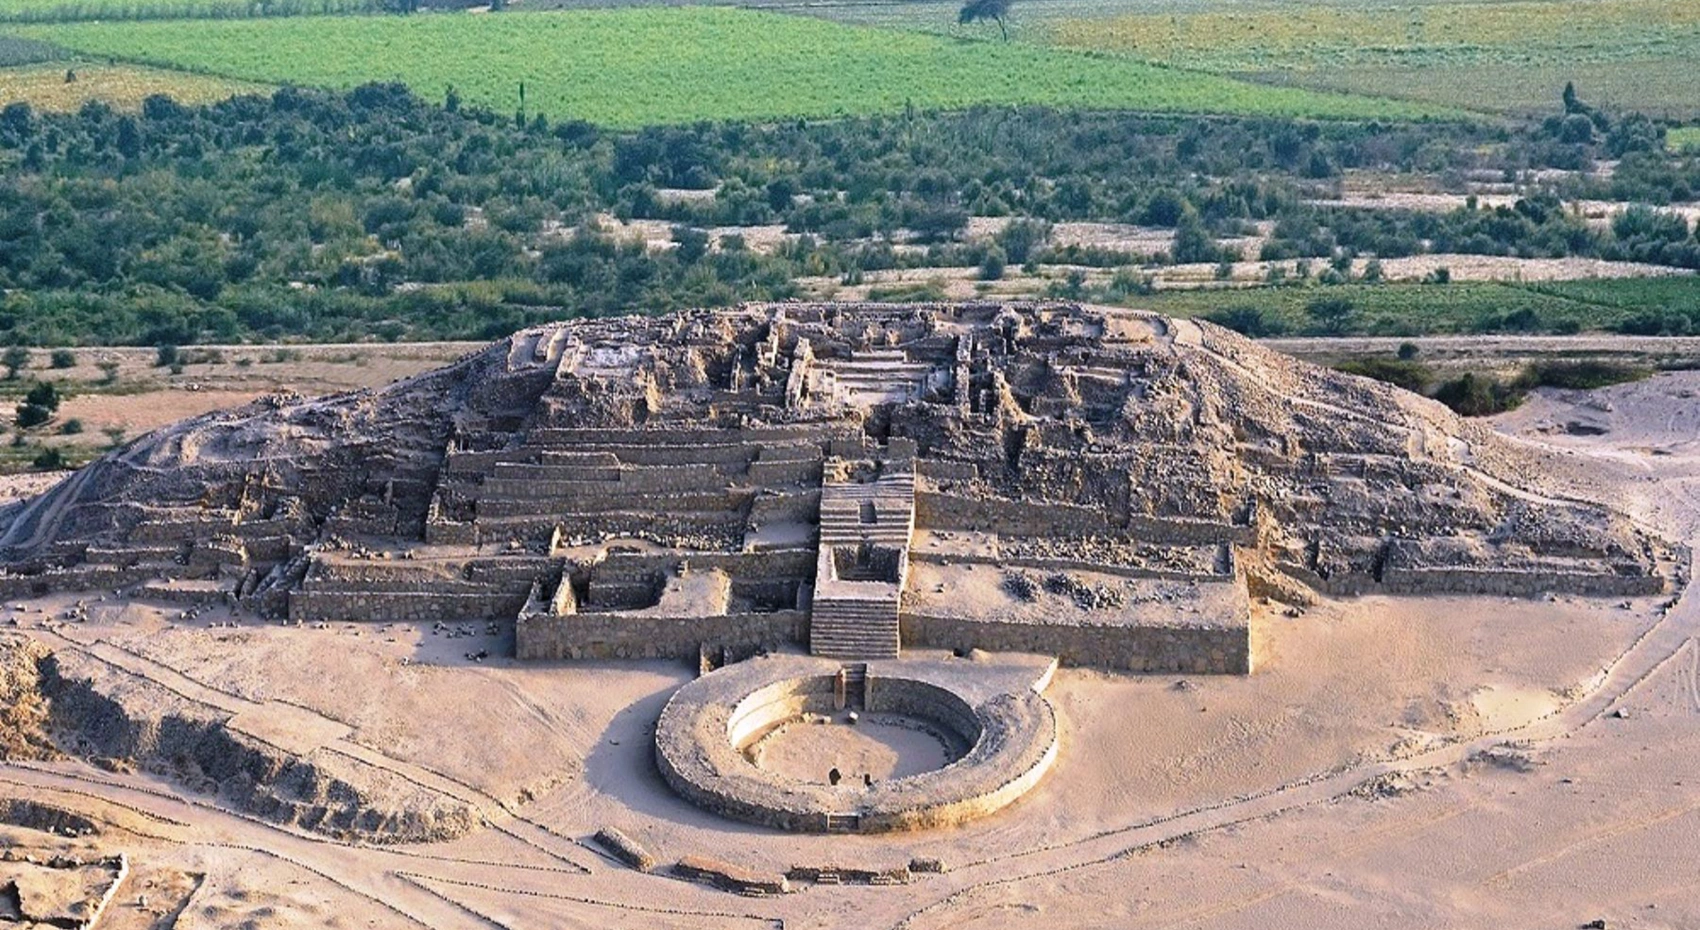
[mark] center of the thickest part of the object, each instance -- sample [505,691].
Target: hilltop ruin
[1106,486]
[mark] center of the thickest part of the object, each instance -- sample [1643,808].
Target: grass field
[1501,56]
[1683,139]
[124,86]
[53,11]
[1297,37]
[1511,57]
[1428,309]
[637,67]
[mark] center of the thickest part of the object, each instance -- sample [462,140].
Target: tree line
[375,214]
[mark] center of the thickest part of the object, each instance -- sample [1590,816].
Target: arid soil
[120,393]
[1395,762]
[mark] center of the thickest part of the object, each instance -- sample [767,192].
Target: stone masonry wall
[1199,650]
[623,636]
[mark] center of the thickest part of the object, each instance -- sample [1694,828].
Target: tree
[44,394]
[30,416]
[1331,313]
[15,357]
[995,10]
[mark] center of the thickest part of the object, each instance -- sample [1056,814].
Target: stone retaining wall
[365,606]
[1476,582]
[1199,650]
[935,510]
[624,636]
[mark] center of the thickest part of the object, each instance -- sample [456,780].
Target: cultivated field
[48,87]
[636,67]
[1500,57]
[52,11]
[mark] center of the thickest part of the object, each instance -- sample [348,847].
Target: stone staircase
[843,628]
[855,607]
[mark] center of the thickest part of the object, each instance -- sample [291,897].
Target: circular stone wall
[1003,741]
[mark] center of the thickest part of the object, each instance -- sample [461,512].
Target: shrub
[71,427]
[992,266]
[63,358]
[1410,375]
[32,415]
[165,356]
[15,358]
[44,395]
[1476,395]
[1021,237]
[1248,321]
[1331,314]
[49,459]
[1581,375]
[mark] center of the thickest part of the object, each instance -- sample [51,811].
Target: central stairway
[844,628]
[865,530]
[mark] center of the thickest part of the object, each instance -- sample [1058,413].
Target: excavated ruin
[1106,486]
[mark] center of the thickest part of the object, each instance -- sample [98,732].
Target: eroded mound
[721,466]
[66,702]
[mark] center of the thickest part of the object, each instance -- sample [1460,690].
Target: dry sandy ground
[1392,762]
[1597,213]
[139,395]
[965,283]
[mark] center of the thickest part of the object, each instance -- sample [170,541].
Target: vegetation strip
[636,67]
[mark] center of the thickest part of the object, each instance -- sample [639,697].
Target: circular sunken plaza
[792,741]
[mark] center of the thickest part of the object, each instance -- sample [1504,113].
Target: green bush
[1410,375]
[32,415]
[1475,395]
[63,358]
[1248,321]
[1581,375]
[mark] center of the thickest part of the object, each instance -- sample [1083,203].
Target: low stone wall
[1058,565]
[364,606]
[1517,584]
[1204,649]
[610,635]
[937,510]
[625,849]
[76,578]
[729,877]
[1477,582]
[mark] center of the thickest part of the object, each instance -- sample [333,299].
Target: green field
[1503,56]
[635,67]
[1683,139]
[1428,309]
[54,11]
[1510,57]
